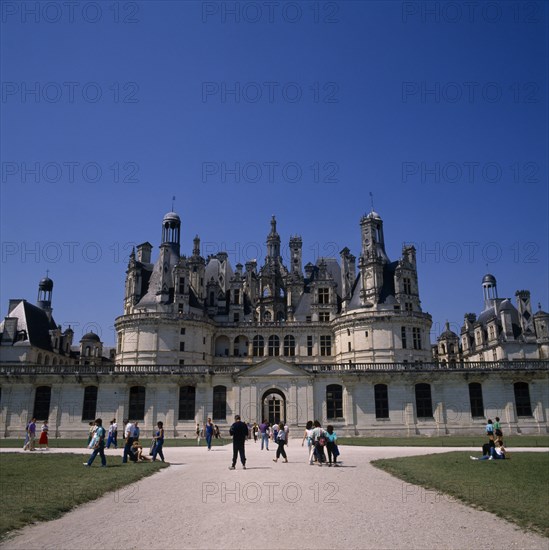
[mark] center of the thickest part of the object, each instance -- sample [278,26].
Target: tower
[296,245]
[490,290]
[45,290]
[372,259]
[273,241]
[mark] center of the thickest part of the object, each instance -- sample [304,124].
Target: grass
[444,441]
[82,443]
[516,490]
[38,487]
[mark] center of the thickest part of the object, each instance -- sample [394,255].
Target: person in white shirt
[129,436]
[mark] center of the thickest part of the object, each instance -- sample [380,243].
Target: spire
[273,241]
[196,247]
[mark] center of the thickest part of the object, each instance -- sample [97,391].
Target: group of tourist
[30,436]
[317,438]
[494,448]
[133,450]
[208,432]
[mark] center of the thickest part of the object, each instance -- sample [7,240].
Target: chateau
[343,341]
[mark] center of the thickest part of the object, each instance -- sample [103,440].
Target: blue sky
[437,108]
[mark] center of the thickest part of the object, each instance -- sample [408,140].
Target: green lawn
[40,487]
[516,489]
[445,441]
[75,443]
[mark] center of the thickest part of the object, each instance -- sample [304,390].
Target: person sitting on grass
[496,453]
[137,452]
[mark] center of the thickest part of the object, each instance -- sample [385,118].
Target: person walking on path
[110,435]
[490,429]
[319,442]
[197,433]
[115,433]
[239,431]
[209,431]
[158,442]
[281,440]
[91,431]
[31,432]
[497,428]
[44,435]
[255,430]
[331,445]
[99,447]
[308,437]
[264,431]
[128,435]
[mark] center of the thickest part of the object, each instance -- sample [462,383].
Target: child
[44,435]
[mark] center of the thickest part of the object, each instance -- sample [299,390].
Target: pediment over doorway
[273,367]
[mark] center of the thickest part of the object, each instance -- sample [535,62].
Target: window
[424,405]
[309,346]
[326,345]
[237,296]
[407,306]
[348,332]
[475,398]
[180,309]
[416,335]
[323,295]
[220,403]
[349,346]
[407,284]
[366,334]
[137,403]
[274,346]
[289,345]
[334,401]
[42,400]
[403,337]
[204,340]
[181,285]
[308,319]
[522,399]
[187,398]
[212,298]
[181,346]
[381,399]
[324,316]
[182,332]
[181,362]
[90,403]
[236,317]
[258,346]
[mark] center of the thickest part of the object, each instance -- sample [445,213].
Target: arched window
[522,399]
[334,401]
[424,404]
[54,362]
[381,399]
[475,398]
[136,410]
[42,399]
[220,403]
[187,400]
[274,345]
[39,359]
[258,346]
[90,403]
[289,345]
[46,359]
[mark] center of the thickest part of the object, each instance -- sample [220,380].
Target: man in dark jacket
[239,431]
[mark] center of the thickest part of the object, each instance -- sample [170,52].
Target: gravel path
[199,503]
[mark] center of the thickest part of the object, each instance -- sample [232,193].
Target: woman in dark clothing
[281,440]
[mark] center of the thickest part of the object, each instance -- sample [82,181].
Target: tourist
[209,431]
[136,431]
[197,433]
[99,446]
[497,428]
[217,435]
[264,431]
[31,432]
[274,432]
[255,430]
[496,453]
[239,431]
[490,429]
[26,443]
[91,431]
[115,433]
[331,445]
[44,435]
[137,452]
[319,442]
[286,429]
[308,437]
[128,436]
[110,436]
[281,441]
[158,442]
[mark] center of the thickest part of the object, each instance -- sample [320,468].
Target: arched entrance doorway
[273,405]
